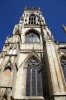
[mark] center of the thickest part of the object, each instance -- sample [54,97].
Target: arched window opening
[63,64]
[32,37]
[7,76]
[5,97]
[32,19]
[33,79]
[7,68]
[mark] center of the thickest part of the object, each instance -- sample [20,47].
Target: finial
[64,27]
[25,8]
[38,8]
[32,7]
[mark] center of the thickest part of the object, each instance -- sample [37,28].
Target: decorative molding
[33,53]
[29,50]
[3,51]
[12,43]
[10,54]
[5,87]
[31,26]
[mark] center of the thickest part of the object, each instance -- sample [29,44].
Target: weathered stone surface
[17,53]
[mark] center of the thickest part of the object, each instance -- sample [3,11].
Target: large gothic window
[63,64]
[32,37]
[32,19]
[34,80]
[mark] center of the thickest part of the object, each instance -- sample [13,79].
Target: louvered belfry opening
[32,19]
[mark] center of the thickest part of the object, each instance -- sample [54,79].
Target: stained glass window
[33,83]
[28,82]
[63,64]
[32,37]
[39,89]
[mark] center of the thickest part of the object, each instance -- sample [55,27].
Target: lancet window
[63,64]
[32,19]
[33,79]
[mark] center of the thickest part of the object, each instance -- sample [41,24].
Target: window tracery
[33,79]
[63,64]
[32,37]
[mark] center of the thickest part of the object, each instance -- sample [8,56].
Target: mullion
[36,80]
[39,88]
[28,82]
[33,82]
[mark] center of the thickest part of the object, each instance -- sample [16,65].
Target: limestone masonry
[32,63]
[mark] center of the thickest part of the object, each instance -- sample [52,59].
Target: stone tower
[32,63]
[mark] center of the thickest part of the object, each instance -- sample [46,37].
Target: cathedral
[32,63]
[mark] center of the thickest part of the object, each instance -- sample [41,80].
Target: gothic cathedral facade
[32,63]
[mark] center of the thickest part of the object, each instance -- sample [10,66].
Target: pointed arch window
[32,19]
[33,79]
[32,37]
[63,64]
[7,68]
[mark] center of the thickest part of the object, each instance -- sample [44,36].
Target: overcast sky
[54,12]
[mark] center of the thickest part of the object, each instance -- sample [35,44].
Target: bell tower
[31,61]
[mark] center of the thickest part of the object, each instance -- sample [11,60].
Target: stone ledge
[60,94]
[30,98]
